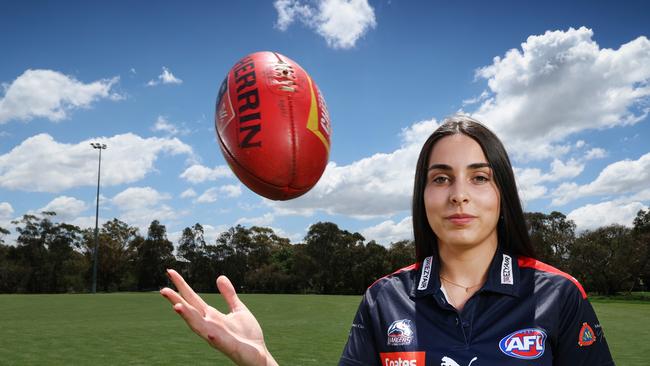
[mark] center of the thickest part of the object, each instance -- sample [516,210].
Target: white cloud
[231,190]
[65,207]
[210,195]
[6,216]
[390,231]
[136,197]
[166,77]
[188,193]
[340,22]
[87,221]
[561,83]
[621,177]
[480,98]
[288,10]
[198,173]
[595,153]
[6,210]
[163,125]
[377,186]
[643,195]
[52,95]
[560,170]
[264,220]
[593,216]
[42,164]
[140,205]
[529,180]
[210,233]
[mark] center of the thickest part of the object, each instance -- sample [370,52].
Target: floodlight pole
[100,147]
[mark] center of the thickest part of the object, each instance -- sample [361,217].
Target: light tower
[100,147]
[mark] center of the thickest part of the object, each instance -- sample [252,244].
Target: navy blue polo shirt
[527,313]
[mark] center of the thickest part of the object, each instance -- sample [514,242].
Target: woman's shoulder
[543,272]
[401,280]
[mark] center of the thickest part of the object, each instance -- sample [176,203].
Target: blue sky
[566,85]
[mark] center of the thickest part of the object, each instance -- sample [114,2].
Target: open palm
[237,334]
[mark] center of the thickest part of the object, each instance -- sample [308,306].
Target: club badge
[586,336]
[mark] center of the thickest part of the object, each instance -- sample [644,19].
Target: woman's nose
[458,194]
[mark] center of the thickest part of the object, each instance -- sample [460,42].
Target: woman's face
[460,197]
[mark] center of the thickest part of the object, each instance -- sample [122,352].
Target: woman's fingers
[193,318]
[190,314]
[171,295]
[186,291]
[228,292]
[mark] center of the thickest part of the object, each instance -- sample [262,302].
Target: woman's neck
[466,266]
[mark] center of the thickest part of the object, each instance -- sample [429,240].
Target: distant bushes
[49,257]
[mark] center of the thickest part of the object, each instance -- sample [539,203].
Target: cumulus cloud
[188,193]
[140,205]
[41,164]
[561,83]
[66,208]
[162,124]
[264,220]
[198,173]
[595,153]
[6,210]
[621,177]
[136,197]
[210,233]
[6,216]
[484,95]
[593,216]
[377,186]
[231,190]
[212,194]
[340,22]
[389,231]
[530,180]
[166,77]
[52,95]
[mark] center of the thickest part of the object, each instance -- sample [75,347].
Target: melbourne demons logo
[527,344]
[400,333]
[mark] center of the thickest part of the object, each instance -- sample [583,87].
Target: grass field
[141,329]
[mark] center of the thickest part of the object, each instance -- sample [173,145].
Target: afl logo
[526,344]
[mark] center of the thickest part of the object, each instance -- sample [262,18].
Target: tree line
[53,257]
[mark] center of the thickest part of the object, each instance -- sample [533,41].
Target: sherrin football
[273,126]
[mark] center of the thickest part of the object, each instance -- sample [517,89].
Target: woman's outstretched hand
[237,334]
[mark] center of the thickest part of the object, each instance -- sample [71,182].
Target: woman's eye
[481,179]
[440,179]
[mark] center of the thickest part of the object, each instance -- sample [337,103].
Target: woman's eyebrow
[470,166]
[479,165]
[440,167]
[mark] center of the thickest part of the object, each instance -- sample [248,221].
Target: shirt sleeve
[581,339]
[360,348]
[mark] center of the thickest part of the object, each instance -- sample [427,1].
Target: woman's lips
[460,219]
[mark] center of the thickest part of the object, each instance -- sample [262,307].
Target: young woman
[476,295]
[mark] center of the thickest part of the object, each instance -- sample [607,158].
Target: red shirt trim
[527,262]
[407,268]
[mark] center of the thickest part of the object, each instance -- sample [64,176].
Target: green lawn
[141,329]
[627,329]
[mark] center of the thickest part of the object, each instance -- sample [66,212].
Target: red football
[272,125]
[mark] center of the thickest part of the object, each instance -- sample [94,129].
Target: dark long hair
[511,228]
